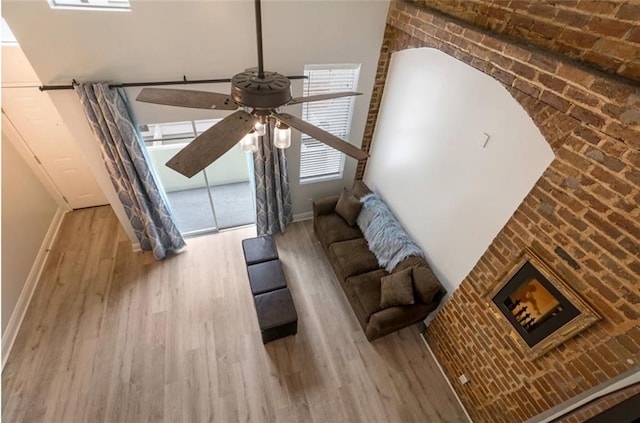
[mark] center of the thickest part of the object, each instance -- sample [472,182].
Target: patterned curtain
[273,199]
[126,161]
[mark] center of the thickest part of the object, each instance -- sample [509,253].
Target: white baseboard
[20,309]
[136,247]
[445,377]
[302,216]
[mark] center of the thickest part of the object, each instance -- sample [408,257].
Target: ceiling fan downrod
[259,36]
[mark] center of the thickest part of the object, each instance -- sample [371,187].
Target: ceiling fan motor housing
[269,92]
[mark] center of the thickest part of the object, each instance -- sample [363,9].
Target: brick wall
[586,202]
[600,405]
[603,33]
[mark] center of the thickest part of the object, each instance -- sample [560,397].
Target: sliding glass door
[219,197]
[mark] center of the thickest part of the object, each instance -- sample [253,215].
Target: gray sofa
[360,274]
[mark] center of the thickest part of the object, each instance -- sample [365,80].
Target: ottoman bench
[276,312]
[277,315]
[259,249]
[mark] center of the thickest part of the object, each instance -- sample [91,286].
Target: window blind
[318,161]
[91,4]
[8,38]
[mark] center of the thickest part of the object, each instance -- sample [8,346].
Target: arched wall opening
[453,156]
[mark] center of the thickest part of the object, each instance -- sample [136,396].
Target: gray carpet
[233,205]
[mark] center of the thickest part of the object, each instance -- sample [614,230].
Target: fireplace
[537,306]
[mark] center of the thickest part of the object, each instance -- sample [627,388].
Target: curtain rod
[153,83]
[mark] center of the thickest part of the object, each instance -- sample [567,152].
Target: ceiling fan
[256,89]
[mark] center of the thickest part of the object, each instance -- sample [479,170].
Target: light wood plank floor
[116,336]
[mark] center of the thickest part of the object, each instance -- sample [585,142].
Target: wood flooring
[116,336]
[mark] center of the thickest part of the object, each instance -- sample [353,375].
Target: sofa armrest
[394,318]
[325,205]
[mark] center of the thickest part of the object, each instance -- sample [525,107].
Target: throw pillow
[396,289]
[348,207]
[425,283]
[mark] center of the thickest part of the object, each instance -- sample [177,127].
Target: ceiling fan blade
[322,136]
[212,143]
[320,97]
[187,98]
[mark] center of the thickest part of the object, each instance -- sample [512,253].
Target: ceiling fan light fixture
[249,143]
[282,135]
[260,128]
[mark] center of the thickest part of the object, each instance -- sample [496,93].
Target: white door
[38,123]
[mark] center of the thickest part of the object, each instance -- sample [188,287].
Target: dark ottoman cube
[259,249]
[277,315]
[266,276]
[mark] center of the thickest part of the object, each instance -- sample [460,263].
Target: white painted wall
[451,194]
[27,212]
[202,39]
[40,128]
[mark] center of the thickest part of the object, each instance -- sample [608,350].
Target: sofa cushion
[353,257]
[410,262]
[348,207]
[333,228]
[365,289]
[397,289]
[425,283]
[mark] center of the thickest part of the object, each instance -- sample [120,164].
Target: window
[318,161]
[91,4]
[174,133]
[7,36]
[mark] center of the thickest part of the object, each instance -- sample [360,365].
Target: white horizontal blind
[170,133]
[8,38]
[318,161]
[91,4]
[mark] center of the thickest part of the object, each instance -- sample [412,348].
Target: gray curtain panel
[273,199]
[126,162]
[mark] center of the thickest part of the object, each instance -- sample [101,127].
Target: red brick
[630,70]
[576,75]
[587,116]
[630,12]
[502,76]
[572,18]
[633,176]
[555,101]
[608,27]
[602,7]
[615,48]
[634,35]
[578,38]
[625,224]
[526,87]
[602,225]
[606,160]
[571,219]
[521,22]
[544,62]
[629,312]
[541,9]
[582,96]
[633,157]
[608,63]
[609,246]
[626,135]
[610,180]
[552,82]
[547,30]
[588,135]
